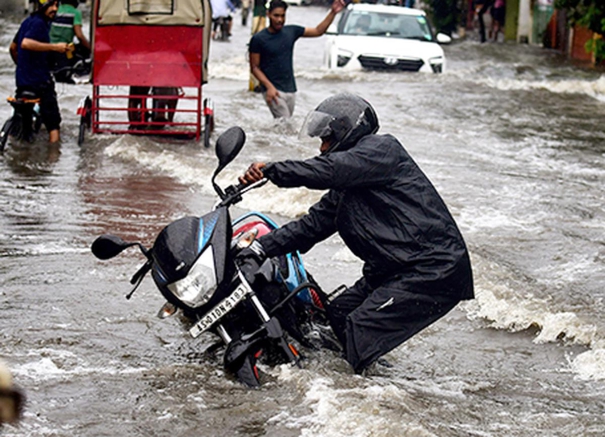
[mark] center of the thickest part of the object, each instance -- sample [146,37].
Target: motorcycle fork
[222,332]
[271,325]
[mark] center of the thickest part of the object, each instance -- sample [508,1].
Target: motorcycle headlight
[196,289]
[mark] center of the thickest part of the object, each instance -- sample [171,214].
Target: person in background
[221,11]
[245,11]
[362,25]
[417,267]
[137,107]
[482,6]
[30,50]
[271,56]
[67,25]
[498,14]
[11,398]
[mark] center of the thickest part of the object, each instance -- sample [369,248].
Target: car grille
[380,63]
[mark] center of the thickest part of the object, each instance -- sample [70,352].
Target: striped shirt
[62,27]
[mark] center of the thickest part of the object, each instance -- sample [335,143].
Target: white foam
[367,409]
[155,156]
[592,88]
[590,365]
[511,309]
[235,68]
[61,364]
[561,274]
[487,219]
[505,310]
[289,203]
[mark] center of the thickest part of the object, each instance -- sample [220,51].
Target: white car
[380,37]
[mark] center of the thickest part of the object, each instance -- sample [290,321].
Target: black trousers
[371,320]
[484,8]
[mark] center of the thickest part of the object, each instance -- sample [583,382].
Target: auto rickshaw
[149,65]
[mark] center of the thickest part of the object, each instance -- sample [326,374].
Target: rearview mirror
[228,146]
[107,246]
[442,38]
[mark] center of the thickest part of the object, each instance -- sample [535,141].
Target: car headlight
[436,64]
[343,57]
[196,289]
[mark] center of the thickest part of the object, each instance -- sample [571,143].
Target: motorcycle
[258,307]
[25,122]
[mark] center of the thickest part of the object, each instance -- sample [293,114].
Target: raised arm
[320,29]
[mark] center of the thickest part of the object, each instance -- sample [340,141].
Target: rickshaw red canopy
[157,45]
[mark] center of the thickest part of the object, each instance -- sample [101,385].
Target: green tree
[445,15]
[590,14]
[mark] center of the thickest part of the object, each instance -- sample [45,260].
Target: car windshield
[385,24]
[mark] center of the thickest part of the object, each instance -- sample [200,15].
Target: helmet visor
[317,124]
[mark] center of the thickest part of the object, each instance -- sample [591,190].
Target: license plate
[219,311]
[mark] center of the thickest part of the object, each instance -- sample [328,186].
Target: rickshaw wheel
[208,128]
[82,133]
[208,121]
[85,119]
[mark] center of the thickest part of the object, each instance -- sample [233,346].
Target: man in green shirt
[67,25]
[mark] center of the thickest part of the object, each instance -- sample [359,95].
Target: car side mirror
[442,38]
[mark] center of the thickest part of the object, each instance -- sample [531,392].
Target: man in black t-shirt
[271,55]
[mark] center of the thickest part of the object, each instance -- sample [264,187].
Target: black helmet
[343,119]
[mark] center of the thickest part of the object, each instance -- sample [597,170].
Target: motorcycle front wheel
[5,132]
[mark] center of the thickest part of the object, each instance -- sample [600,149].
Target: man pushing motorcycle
[388,213]
[30,51]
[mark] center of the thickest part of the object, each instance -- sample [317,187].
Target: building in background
[539,22]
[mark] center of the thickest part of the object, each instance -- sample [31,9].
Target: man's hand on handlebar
[253,174]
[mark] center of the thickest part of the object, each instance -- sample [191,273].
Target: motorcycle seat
[24,97]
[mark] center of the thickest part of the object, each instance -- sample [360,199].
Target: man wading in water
[417,267]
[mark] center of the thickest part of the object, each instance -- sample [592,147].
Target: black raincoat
[389,214]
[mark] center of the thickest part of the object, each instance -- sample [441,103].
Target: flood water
[513,138]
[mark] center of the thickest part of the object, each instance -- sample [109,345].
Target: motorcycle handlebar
[234,192]
[240,187]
